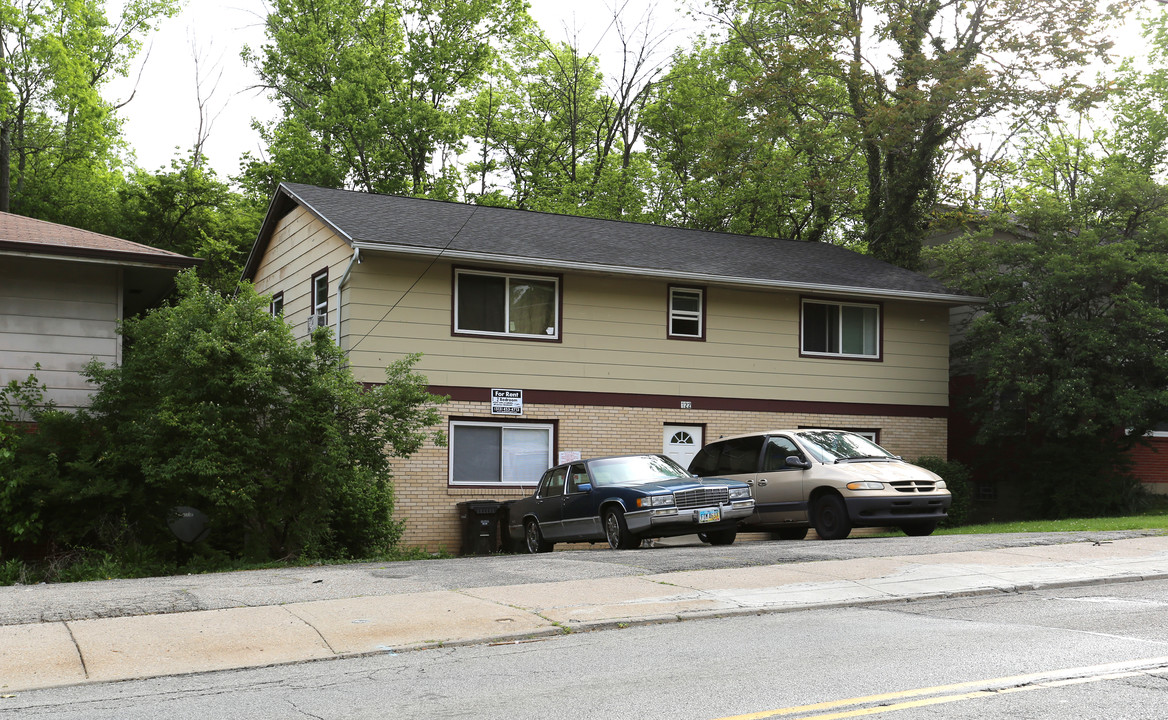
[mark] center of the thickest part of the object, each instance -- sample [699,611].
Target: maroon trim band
[673,402]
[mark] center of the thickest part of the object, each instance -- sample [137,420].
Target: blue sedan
[623,499]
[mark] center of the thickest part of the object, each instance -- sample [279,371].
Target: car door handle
[762,482]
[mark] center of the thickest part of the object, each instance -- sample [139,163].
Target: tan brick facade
[428,504]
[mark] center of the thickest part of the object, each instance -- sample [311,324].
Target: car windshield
[634,470]
[830,446]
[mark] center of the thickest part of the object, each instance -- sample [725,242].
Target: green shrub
[957,478]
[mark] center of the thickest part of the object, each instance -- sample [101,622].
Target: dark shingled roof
[527,238]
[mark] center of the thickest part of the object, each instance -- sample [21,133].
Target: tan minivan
[831,480]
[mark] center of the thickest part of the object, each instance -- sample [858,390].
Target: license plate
[710,515]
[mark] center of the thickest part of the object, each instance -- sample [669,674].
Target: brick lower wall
[428,505]
[1150,464]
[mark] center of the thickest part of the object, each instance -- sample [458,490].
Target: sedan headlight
[940,485]
[742,493]
[865,485]
[655,501]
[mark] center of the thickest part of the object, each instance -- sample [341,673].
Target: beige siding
[61,315]
[614,340]
[300,247]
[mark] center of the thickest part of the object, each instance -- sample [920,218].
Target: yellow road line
[952,693]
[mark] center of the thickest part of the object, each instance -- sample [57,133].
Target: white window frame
[318,298]
[839,306]
[698,315]
[276,308]
[508,277]
[503,427]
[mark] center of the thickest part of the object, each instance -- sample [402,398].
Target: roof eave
[96,255]
[703,278]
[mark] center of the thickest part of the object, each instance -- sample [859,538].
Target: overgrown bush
[957,478]
[216,406]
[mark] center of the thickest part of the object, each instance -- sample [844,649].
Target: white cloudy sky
[163,113]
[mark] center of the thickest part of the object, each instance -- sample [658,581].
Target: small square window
[687,313]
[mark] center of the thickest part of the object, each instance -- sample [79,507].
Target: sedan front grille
[701,497]
[913,486]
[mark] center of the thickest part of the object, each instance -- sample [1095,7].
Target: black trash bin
[480,526]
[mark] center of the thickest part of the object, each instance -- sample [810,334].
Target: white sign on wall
[506,402]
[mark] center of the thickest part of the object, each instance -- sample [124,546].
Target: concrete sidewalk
[40,655]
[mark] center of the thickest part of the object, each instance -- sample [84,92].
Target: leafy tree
[734,157]
[903,79]
[216,406]
[372,93]
[1070,349]
[188,210]
[55,56]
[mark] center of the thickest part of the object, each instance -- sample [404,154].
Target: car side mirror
[584,487]
[796,461]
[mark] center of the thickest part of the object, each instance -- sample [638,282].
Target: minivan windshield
[634,470]
[829,446]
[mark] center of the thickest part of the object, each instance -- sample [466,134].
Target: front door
[682,442]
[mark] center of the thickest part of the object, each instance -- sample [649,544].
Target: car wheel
[831,517]
[534,538]
[721,537]
[617,531]
[789,534]
[919,529]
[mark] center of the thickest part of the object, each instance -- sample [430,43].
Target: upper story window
[840,329]
[319,294]
[277,306]
[506,305]
[687,311]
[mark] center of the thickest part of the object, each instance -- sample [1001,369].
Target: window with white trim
[492,453]
[686,312]
[277,306]
[840,329]
[507,305]
[319,297]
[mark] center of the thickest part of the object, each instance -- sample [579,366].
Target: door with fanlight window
[682,442]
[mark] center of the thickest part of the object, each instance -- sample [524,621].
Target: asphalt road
[75,601]
[1081,652]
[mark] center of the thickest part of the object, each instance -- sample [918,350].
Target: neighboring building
[555,335]
[62,293]
[1149,460]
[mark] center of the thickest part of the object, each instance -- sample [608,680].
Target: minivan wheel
[830,516]
[919,529]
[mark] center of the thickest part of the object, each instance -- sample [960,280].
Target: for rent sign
[506,402]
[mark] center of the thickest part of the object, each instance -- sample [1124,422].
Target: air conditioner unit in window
[317,320]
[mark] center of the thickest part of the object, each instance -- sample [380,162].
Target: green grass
[1131,522]
[1155,517]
